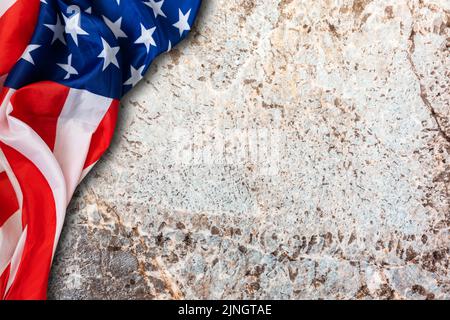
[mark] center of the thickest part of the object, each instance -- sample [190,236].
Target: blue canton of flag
[103,46]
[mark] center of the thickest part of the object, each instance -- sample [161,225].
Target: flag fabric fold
[64,65]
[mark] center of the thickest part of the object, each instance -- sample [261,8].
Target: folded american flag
[64,65]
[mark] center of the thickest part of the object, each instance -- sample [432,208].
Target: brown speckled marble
[289,149]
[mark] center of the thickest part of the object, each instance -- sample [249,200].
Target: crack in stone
[423,94]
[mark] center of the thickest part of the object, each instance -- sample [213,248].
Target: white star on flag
[183,24]
[115,27]
[156,7]
[136,76]
[109,54]
[58,30]
[27,54]
[68,67]
[73,27]
[146,37]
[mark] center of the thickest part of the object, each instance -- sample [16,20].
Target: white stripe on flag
[10,233]
[5,5]
[78,120]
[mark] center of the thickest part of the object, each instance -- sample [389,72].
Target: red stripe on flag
[39,215]
[4,281]
[103,135]
[39,105]
[16,28]
[8,200]
[3,93]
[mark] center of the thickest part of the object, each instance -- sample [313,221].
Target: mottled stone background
[289,149]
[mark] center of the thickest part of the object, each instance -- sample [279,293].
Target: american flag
[64,65]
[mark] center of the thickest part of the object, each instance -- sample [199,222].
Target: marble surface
[289,149]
